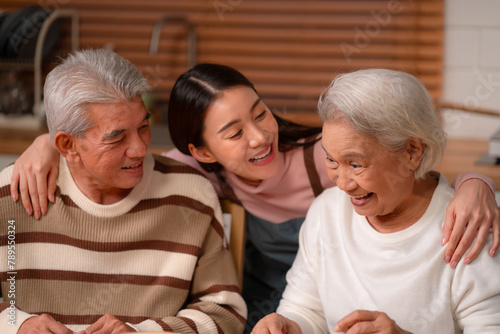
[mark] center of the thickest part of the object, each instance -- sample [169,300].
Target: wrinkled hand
[373,322]
[35,172]
[43,324]
[108,324]
[275,323]
[470,214]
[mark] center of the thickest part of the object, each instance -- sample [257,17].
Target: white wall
[472,65]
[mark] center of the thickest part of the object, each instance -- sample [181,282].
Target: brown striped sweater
[157,259]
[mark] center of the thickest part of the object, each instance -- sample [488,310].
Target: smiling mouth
[360,198]
[263,156]
[133,166]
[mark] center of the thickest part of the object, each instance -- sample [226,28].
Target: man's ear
[415,151]
[65,144]
[201,154]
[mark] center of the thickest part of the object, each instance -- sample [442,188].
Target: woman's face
[241,134]
[379,183]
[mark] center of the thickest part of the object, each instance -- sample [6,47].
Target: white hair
[84,78]
[390,106]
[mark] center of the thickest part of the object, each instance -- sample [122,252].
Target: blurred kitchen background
[290,49]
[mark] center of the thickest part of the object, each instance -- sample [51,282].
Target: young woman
[274,168]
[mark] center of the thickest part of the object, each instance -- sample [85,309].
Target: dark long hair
[197,89]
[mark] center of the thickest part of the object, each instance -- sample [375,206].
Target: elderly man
[133,241]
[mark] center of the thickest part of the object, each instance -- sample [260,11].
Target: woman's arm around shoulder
[470,216]
[35,175]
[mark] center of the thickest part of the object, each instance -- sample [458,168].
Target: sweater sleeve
[11,318]
[461,178]
[301,300]
[214,304]
[476,295]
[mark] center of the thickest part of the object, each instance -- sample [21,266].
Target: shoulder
[444,192]
[175,177]
[172,169]
[327,212]
[164,164]
[329,198]
[5,179]
[177,155]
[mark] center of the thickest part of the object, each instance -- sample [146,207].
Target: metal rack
[36,64]
[191,37]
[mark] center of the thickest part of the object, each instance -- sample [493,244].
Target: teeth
[360,197]
[262,156]
[134,166]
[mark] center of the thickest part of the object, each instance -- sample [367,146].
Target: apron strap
[312,172]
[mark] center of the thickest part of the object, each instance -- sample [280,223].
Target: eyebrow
[349,154]
[228,125]
[115,133]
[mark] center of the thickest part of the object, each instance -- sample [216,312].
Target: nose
[139,145]
[345,181]
[256,136]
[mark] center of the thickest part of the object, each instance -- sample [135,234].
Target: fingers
[496,236]
[363,321]
[34,189]
[14,183]
[458,227]
[362,327]
[37,165]
[24,193]
[353,318]
[43,323]
[482,237]
[275,323]
[33,194]
[108,324]
[41,187]
[449,223]
[466,226]
[57,328]
[471,227]
[52,184]
[462,236]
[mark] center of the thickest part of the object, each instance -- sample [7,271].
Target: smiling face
[380,184]
[241,134]
[108,160]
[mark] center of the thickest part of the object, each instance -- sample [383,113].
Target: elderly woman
[369,259]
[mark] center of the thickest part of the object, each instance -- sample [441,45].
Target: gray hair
[390,106]
[84,78]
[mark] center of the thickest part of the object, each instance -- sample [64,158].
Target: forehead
[339,137]
[122,115]
[233,100]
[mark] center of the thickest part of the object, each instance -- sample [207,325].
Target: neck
[254,183]
[409,211]
[93,190]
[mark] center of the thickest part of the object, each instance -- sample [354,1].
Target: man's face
[113,150]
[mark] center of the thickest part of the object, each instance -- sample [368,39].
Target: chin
[269,173]
[129,185]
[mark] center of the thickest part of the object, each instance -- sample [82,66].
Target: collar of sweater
[68,187]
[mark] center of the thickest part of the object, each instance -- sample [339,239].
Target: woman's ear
[65,144]
[201,154]
[415,151]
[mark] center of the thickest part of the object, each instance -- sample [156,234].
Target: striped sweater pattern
[156,260]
